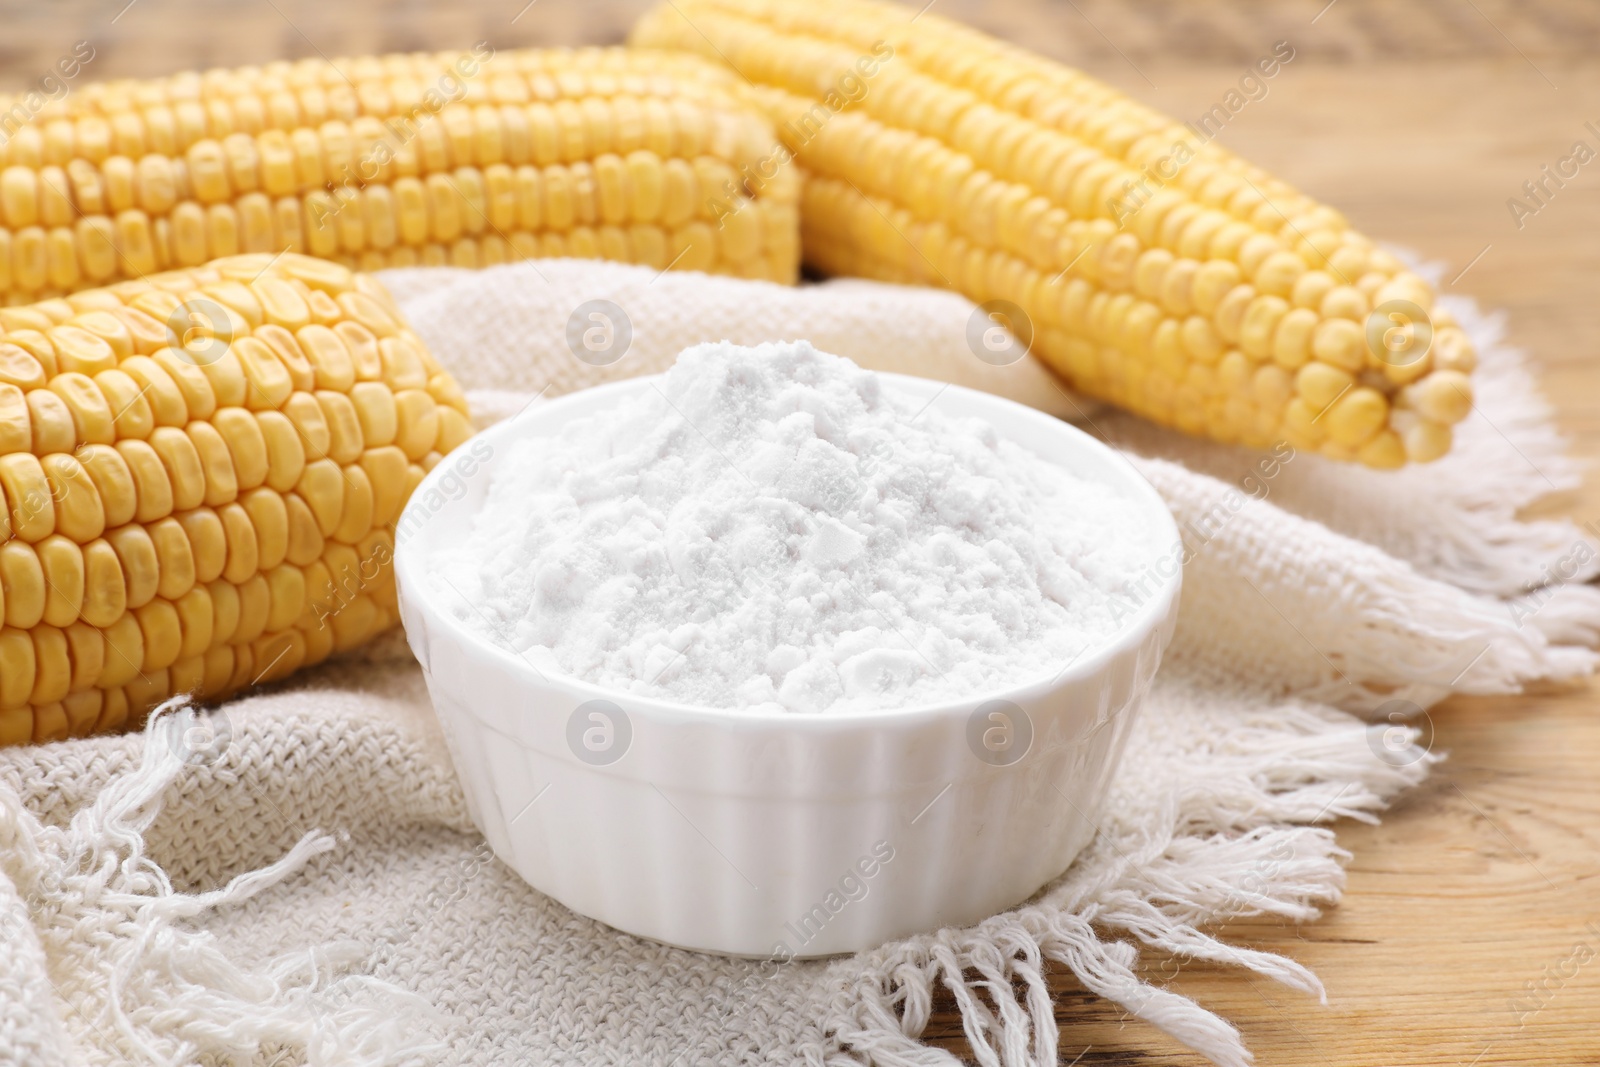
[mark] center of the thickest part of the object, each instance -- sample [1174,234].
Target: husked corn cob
[590,153]
[200,473]
[1177,282]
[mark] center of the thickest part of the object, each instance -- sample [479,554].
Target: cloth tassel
[168,989]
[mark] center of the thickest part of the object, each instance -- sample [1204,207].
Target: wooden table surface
[1418,120]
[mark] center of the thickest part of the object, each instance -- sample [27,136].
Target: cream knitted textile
[293,878]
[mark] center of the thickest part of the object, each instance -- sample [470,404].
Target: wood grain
[147,37]
[1419,121]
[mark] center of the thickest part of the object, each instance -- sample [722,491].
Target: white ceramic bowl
[787,835]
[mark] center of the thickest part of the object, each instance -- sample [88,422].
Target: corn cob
[589,153]
[1181,284]
[201,473]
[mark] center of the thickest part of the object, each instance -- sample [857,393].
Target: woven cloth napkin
[293,878]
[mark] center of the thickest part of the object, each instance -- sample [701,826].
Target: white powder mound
[774,529]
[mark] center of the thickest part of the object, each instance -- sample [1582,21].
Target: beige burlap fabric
[292,878]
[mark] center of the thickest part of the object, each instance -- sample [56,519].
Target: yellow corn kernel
[191,381]
[161,633]
[1356,416]
[241,537]
[52,667]
[50,420]
[136,553]
[1444,397]
[215,462]
[104,588]
[356,518]
[305,539]
[157,389]
[1320,385]
[16,723]
[385,467]
[355,623]
[112,481]
[286,586]
[16,426]
[218,669]
[22,579]
[454,429]
[182,463]
[1384,451]
[86,650]
[195,619]
[267,381]
[1291,341]
[92,416]
[311,426]
[113,707]
[278,655]
[151,488]
[403,362]
[208,542]
[286,456]
[186,675]
[322,489]
[1451,350]
[81,351]
[108,328]
[124,652]
[19,367]
[344,426]
[27,493]
[224,373]
[374,404]
[174,558]
[225,611]
[243,667]
[79,513]
[445,391]
[16,669]
[270,520]
[61,562]
[416,422]
[330,359]
[289,354]
[246,445]
[254,601]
